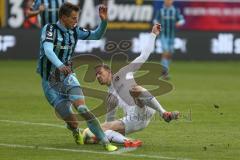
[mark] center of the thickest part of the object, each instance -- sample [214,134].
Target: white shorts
[138,119]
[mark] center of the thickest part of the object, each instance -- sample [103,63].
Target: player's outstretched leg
[116,137]
[77,99]
[112,136]
[95,127]
[143,97]
[64,110]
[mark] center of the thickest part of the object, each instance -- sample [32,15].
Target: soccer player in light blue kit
[58,42]
[170,18]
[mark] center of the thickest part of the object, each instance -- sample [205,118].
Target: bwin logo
[6,42]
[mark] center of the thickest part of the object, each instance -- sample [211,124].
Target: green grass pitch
[209,90]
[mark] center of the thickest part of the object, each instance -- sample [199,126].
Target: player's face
[71,21]
[103,76]
[168,3]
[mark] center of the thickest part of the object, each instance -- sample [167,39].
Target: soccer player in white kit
[137,103]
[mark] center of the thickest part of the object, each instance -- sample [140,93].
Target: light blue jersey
[168,17]
[57,46]
[64,42]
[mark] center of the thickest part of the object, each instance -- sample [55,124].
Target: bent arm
[147,49]
[99,32]
[93,34]
[145,53]
[34,10]
[48,48]
[31,13]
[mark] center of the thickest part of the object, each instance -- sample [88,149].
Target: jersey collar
[64,29]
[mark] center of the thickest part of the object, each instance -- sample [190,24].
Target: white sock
[154,104]
[114,136]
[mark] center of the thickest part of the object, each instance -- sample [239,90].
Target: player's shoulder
[49,26]
[48,31]
[117,76]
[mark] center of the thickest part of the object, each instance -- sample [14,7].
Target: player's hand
[156,29]
[103,12]
[65,69]
[41,8]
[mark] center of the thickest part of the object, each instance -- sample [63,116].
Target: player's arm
[147,49]
[180,19]
[112,103]
[47,41]
[99,31]
[36,9]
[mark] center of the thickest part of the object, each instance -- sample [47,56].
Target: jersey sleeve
[47,40]
[48,48]
[47,34]
[96,34]
[147,49]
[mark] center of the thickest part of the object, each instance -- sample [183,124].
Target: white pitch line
[124,150]
[33,123]
[89,151]
[120,152]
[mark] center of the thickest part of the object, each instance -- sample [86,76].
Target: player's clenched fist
[65,69]
[103,12]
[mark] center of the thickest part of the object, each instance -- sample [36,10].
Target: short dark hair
[105,66]
[67,8]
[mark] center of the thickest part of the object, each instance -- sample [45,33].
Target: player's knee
[75,94]
[139,92]
[64,109]
[78,102]
[135,91]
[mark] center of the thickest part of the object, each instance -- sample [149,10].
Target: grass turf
[209,89]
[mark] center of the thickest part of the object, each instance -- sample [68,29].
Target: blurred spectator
[48,10]
[30,22]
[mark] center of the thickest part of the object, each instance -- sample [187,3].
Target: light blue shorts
[56,95]
[167,44]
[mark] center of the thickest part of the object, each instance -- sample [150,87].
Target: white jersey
[123,80]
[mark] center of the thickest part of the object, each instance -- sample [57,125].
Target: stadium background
[211,30]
